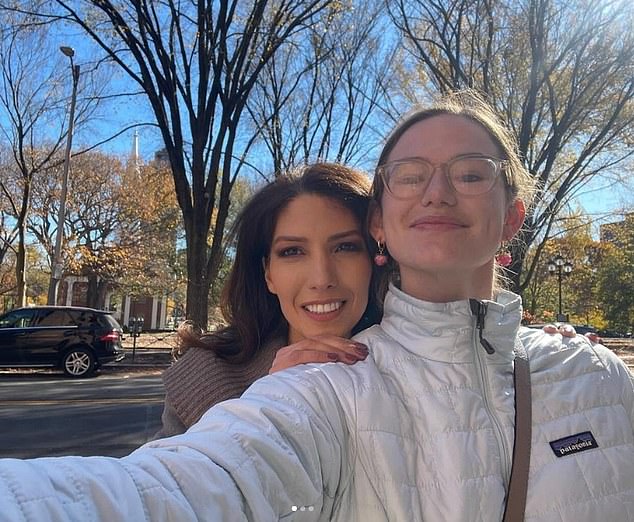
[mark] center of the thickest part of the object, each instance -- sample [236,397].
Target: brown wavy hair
[252,314]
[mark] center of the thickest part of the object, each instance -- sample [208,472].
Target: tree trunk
[197,282]
[102,290]
[97,288]
[92,293]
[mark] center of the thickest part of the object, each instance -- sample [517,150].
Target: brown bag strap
[518,485]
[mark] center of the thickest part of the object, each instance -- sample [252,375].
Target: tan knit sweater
[200,379]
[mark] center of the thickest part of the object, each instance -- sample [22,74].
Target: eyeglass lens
[468,176]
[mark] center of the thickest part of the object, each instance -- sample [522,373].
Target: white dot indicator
[293,508]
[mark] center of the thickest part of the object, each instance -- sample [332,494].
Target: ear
[515,214]
[376,223]
[267,275]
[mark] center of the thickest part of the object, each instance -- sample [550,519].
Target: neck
[445,287]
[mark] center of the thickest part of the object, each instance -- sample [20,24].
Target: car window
[84,318]
[109,321]
[53,318]
[17,319]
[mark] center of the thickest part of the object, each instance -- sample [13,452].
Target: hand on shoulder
[565,330]
[319,349]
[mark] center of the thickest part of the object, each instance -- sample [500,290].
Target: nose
[438,190]
[323,272]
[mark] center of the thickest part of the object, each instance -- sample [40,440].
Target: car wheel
[79,362]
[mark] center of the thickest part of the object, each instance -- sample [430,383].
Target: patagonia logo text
[573,444]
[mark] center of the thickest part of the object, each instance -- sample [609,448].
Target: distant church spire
[135,159]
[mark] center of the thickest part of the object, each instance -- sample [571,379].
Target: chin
[336,331]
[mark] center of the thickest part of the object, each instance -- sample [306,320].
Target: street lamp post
[57,265]
[560,267]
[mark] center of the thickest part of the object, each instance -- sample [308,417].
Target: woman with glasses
[424,428]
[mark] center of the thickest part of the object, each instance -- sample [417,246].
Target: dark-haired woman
[298,289]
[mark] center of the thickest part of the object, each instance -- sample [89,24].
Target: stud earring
[380,259]
[503,256]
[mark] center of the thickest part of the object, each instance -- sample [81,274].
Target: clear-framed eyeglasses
[471,175]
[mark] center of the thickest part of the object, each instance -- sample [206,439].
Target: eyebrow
[334,237]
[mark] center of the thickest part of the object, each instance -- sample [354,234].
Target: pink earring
[503,257]
[380,259]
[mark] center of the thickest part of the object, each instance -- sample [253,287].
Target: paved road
[47,415]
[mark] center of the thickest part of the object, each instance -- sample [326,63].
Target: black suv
[77,340]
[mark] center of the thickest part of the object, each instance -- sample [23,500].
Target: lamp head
[68,51]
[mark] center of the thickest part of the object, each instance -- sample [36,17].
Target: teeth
[324,308]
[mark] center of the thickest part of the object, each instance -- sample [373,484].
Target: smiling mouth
[438,221]
[437,225]
[324,308]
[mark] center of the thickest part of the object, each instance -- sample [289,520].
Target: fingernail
[332,356]
[361,351]
[351,358]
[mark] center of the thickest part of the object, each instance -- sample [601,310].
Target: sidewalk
[154,350]
[145,357]
[150,349]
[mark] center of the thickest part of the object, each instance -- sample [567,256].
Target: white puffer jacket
[422,430]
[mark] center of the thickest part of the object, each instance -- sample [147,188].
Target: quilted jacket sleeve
[617,368]
[628,393]
[628,386]
[280,448]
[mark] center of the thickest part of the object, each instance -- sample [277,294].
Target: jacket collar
[446,331]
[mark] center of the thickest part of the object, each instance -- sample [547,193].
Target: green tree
[600,289]
[574,243]
[616,274]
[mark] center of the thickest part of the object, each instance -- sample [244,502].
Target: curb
[144,358]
